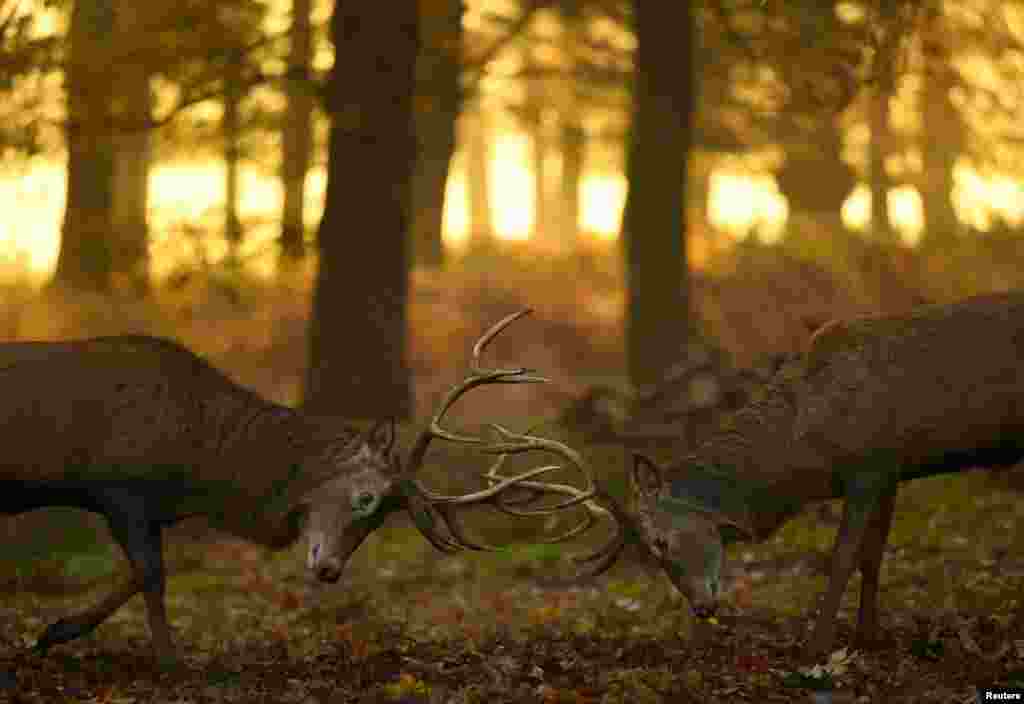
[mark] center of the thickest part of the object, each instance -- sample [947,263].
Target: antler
[423,503]
[605,556]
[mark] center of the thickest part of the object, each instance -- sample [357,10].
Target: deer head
[680,535]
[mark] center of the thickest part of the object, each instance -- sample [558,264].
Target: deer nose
[328,573]
[704,610]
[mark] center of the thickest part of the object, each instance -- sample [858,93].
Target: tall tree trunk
[232,154]
[478,177]
[535,121]
[297,134]
[571,133]
[132,153]
[573,141]
[943,140]
[881,129]
[85,259]
[654,226]
[439,99]
[881,225]
[358,364]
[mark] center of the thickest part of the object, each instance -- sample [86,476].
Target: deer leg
[856,512]
[71,627]
[140,538]
[871,553]
[141,543]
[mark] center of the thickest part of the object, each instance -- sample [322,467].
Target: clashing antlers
[423,503]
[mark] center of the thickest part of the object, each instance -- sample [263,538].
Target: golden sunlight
[603,197]
[905,211]
[511,187]
[189,197]
[740,204]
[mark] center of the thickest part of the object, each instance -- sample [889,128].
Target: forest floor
[406,624]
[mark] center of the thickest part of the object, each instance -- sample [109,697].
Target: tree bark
[881,224]
[439,99]
[654,226]
[85,260]
[572,136]
[943,139]
[132,153]
[358,364]
[297,134]
[232,154]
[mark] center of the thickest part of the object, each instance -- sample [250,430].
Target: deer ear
[381,437]
[646,475]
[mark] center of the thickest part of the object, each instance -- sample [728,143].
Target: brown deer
[876,401]
[146,433]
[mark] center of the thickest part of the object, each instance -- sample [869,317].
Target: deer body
[146,433]
[876,401]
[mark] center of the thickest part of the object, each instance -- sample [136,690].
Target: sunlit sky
[192,195]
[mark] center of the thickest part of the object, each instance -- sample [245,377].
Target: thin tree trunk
[537,99]
[943,139]
[232,155]
[297,134]
[478,182]
[358,364]
[132,153]
[571,133]
[654,226]
[85,258]
[881,134]
[439,99]
[881,229]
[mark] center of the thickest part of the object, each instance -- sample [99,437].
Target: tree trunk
[535,123]
[654,227]
[85,260]
[132,154]
[942,142]
[232,155]
[881,225]
[571,133]
[439,99]
[357,333]
[573,140]
[297,134]
[478,181]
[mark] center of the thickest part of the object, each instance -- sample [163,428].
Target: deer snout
[325,566]
[704,610]
[328,571]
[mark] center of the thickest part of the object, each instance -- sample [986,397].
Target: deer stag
[145,433]
[876,401]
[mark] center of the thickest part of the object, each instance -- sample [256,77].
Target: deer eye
[364,502]
[661,545]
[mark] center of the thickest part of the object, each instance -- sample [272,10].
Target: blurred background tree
[646,169]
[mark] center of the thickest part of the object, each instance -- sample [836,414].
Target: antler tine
[477,377]
[538,489]
[423,504]
[605,556]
